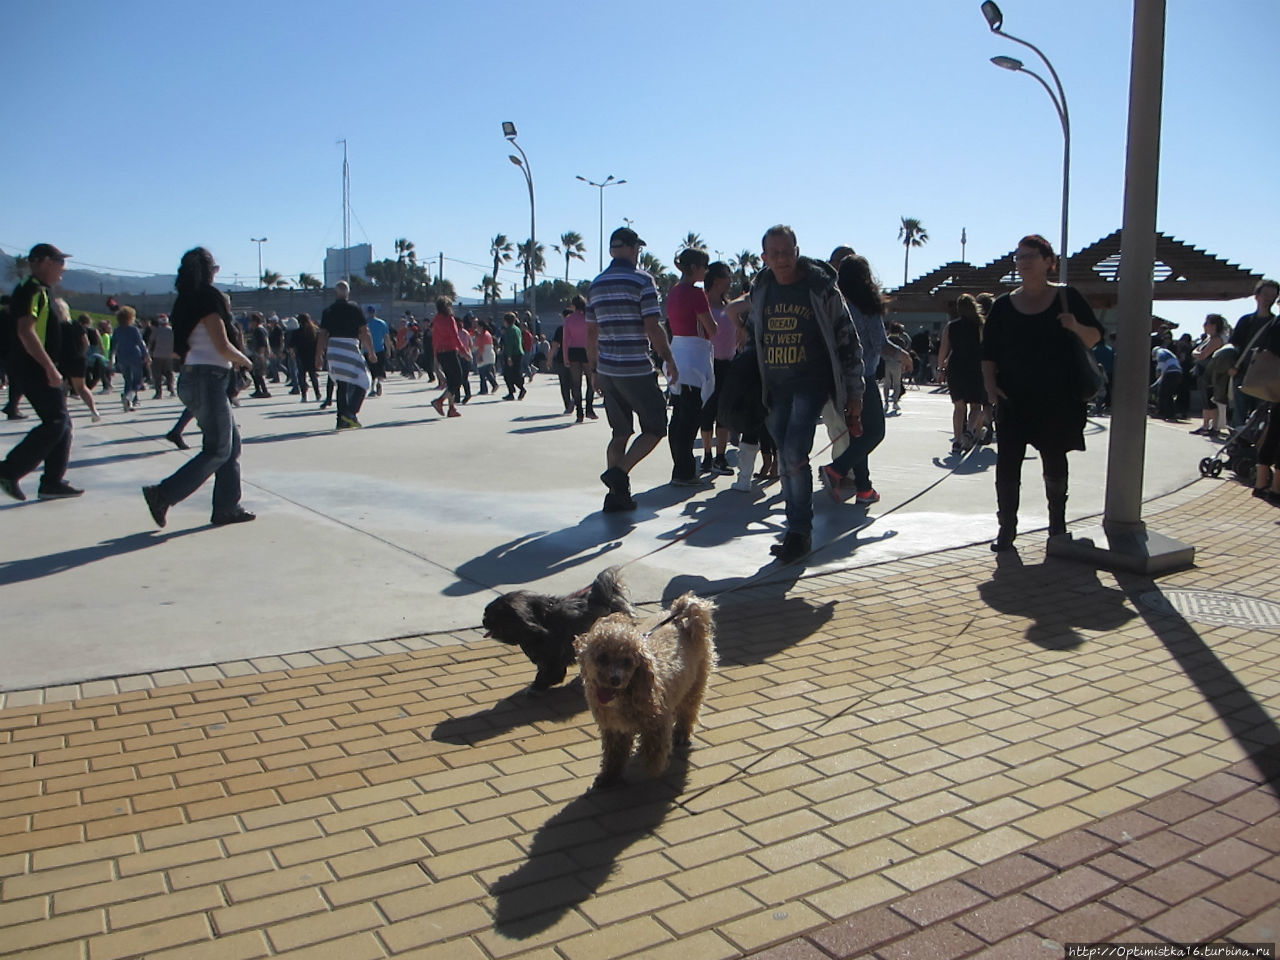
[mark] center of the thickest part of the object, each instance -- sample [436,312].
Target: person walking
[692,329]
[260,351]
[378,330]
[129,355]
[582,387]
[1028,371]
[724,347]
[31,364]
[304,351]
[866,305]
[808,352]
[160,345]
[448,348]
[512,357]
[623,314]
[960,357]
[343,336]
[486,357]
[74,363]
[202,340]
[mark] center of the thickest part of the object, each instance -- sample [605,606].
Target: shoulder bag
[1262,378]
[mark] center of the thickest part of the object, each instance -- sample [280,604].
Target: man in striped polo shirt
[623,316]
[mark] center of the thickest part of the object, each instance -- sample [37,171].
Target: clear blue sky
[151,127]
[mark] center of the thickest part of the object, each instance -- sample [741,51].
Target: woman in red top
[447,345]
[692,328]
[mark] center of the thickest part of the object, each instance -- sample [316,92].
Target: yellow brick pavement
[871,734]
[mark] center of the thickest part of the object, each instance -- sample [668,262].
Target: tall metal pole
[259,242]
[1125,460]
[608,181]
[346,214]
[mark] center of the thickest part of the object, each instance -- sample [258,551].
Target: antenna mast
[346,214]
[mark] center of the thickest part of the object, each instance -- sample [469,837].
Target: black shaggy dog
[544,626]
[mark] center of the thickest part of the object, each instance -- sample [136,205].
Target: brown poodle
[647,684]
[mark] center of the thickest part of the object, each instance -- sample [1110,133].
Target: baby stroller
[1240,453]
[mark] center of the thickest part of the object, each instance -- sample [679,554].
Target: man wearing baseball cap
[38,340]
[623,314]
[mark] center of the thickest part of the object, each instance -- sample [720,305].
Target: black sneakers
[238,515]
[10,485]
[156,504]
[794,546]
[58,491]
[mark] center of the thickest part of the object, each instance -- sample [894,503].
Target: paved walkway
[938,756]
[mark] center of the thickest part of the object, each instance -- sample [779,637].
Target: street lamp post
[995,20]
[609,181]
[522,161]
[259,241]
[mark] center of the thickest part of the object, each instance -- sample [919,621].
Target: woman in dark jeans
[202,338]
[1266,482]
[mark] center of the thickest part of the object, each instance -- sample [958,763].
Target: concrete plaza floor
[925,753]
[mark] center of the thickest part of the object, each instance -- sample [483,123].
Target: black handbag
[1087,378]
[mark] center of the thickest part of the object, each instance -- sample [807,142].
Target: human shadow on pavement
[34,568]
[273,437]
[542,428]
[576,851]
[980,461]
[515,710]
[1252,727]
[118,457]
[755,617]
[537,555]
[1059,597]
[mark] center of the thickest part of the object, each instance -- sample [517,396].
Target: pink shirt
[573,333]
[684,303]
[444,334]
[724,345]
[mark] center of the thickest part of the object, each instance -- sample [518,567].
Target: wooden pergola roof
[1182,272]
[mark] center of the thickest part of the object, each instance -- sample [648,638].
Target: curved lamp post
[522,161]
[995,20]
[608,182]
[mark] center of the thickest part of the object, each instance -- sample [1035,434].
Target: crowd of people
[806,342]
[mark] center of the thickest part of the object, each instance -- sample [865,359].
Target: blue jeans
[203,389]
[793,418]
[132,371]
[855,457]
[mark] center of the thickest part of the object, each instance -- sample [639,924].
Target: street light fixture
[995,20]
[609,181]
[522,161]
[259,241]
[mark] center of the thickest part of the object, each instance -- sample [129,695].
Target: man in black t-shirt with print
[38,340]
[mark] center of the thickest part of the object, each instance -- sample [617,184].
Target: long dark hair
[859,285]
[195,270]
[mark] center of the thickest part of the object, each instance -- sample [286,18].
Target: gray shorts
[625,397]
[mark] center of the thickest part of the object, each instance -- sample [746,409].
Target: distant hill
[109,284]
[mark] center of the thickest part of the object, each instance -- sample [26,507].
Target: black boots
[1008,494]
[1055,491]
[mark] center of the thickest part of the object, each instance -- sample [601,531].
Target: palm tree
[500,248]
[405,251]
[572,247]
[744,262]
[539,264]
[489,288]
[693,241]
[21,267]
[308,282]
[270,279]
[912,234]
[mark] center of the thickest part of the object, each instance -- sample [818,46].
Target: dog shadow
[1059,597]
[577,850]
[516,710]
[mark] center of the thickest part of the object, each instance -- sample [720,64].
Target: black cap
[47,251]
[625,237]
